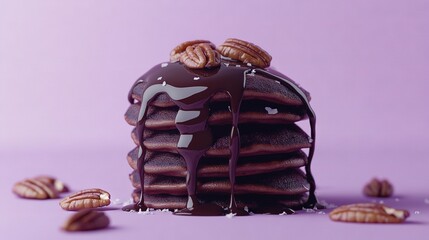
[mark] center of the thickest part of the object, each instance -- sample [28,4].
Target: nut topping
[378,188]
[34,189]
[90,198]
[245,52]
[177,51]
[86,220]
[368,213]
[199,56]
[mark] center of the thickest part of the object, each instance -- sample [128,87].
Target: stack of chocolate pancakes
[218,140]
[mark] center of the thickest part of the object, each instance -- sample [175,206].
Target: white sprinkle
[165,210]
[230,215]
[196,78]
[238,65]
[226,58]
[176,210]
[249,64]
[271,111]
[229,108]
[427,200]
[164,65]
[309,210]
[148,211]
[253,71]
[283,213]
[164,83]
[310,140]
[277,81]
[246,208]
[417,212]
[226,64]
[159,78]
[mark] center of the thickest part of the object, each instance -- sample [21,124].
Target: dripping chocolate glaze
[191,91]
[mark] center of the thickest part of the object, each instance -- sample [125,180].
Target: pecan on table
[86,199]
[368,213]
[58,185]
[34,189]
[86,220]
[378,188]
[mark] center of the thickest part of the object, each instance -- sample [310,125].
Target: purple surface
[338,185]
[66,67]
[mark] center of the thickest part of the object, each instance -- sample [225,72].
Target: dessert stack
[272,159]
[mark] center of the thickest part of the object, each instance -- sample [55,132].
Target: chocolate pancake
[253,202]
[169,164]
[257,87]
[264,139]
[251,112]
[208,133]
[287,182]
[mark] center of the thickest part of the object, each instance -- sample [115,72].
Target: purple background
[66,68]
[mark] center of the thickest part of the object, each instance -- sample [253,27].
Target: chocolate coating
[192,92]
[255,203]
[250,112]
[287,182]
[169,164]
[256,141]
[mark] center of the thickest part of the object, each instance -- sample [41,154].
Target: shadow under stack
[272,173]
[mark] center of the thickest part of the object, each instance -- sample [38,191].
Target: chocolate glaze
[191,91]
[312,200]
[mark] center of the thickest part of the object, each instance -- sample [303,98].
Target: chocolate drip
[312,200]
[191,91]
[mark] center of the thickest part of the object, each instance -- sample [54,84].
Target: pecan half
[368,213]
[378,188]
[199,56]
[57,184]
[85,220]
[179,49]
[245,52]
[89,198]
[34,189]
